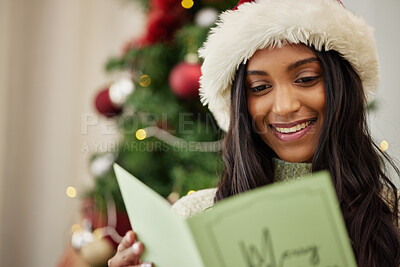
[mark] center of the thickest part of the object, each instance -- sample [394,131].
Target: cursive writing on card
[264,255]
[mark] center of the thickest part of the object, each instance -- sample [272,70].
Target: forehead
[280,55]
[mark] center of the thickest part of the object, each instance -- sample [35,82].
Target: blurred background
[86,83]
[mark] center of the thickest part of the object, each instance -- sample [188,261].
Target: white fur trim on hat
[268,23]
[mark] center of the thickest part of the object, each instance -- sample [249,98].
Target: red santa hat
[257,24]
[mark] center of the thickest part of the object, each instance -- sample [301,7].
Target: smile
[293,129]
[289,132]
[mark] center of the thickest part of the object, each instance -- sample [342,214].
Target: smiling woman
[295,104]
[286,100]
[289,82]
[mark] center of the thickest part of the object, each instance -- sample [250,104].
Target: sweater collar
[286,171]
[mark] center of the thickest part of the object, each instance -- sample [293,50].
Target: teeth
[293,129]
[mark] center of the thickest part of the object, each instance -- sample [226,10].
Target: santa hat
[253,25]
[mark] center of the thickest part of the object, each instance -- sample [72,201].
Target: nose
[285,101]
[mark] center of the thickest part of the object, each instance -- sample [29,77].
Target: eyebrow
[289,68]
[301,62]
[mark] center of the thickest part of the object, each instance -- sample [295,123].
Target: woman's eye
[307,80]
[260,88]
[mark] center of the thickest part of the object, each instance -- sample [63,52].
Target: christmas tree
[169,140]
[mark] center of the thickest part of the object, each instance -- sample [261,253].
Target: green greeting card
[281,225]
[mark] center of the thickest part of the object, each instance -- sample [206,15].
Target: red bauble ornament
[165,5]
[184,80]
[104,105]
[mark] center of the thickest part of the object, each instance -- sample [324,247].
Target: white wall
[4,33]
[383,15]
[52,56]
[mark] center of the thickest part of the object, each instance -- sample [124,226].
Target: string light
[384,145]
[145,80]
[187,4]
[190,192]
[141,134]
[177,142]
[110,229]
[71,191]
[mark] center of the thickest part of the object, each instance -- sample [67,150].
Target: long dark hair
[345,148]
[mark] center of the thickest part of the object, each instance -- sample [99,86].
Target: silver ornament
[102,164]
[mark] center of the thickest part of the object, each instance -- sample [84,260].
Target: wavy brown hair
[345,148]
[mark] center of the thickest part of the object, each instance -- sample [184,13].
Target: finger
[137,249]
[128,256]
[127,241]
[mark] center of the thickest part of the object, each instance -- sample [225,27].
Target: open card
[296,223]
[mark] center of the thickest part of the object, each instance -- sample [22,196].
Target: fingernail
[108,263]
[135,247]
[146,264]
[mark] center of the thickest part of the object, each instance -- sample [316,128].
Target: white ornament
[206,17]
[82,237]
[101,165]
[120,90]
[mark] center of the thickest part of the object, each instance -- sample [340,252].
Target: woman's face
[286,100]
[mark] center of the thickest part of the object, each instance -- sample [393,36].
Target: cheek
[316,101]
[258,106]
[252,105]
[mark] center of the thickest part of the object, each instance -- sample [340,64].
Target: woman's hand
[128,253]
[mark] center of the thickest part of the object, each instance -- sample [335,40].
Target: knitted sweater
[201,200]
[284,171]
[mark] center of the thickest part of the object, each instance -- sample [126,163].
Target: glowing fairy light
[187,4]
[384,145]
[141,134]
[145,80]
[71,191]
[190,192]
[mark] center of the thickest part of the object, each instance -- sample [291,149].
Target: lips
[289,132]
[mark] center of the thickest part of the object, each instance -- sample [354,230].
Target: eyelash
[309,80]
[260,88]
